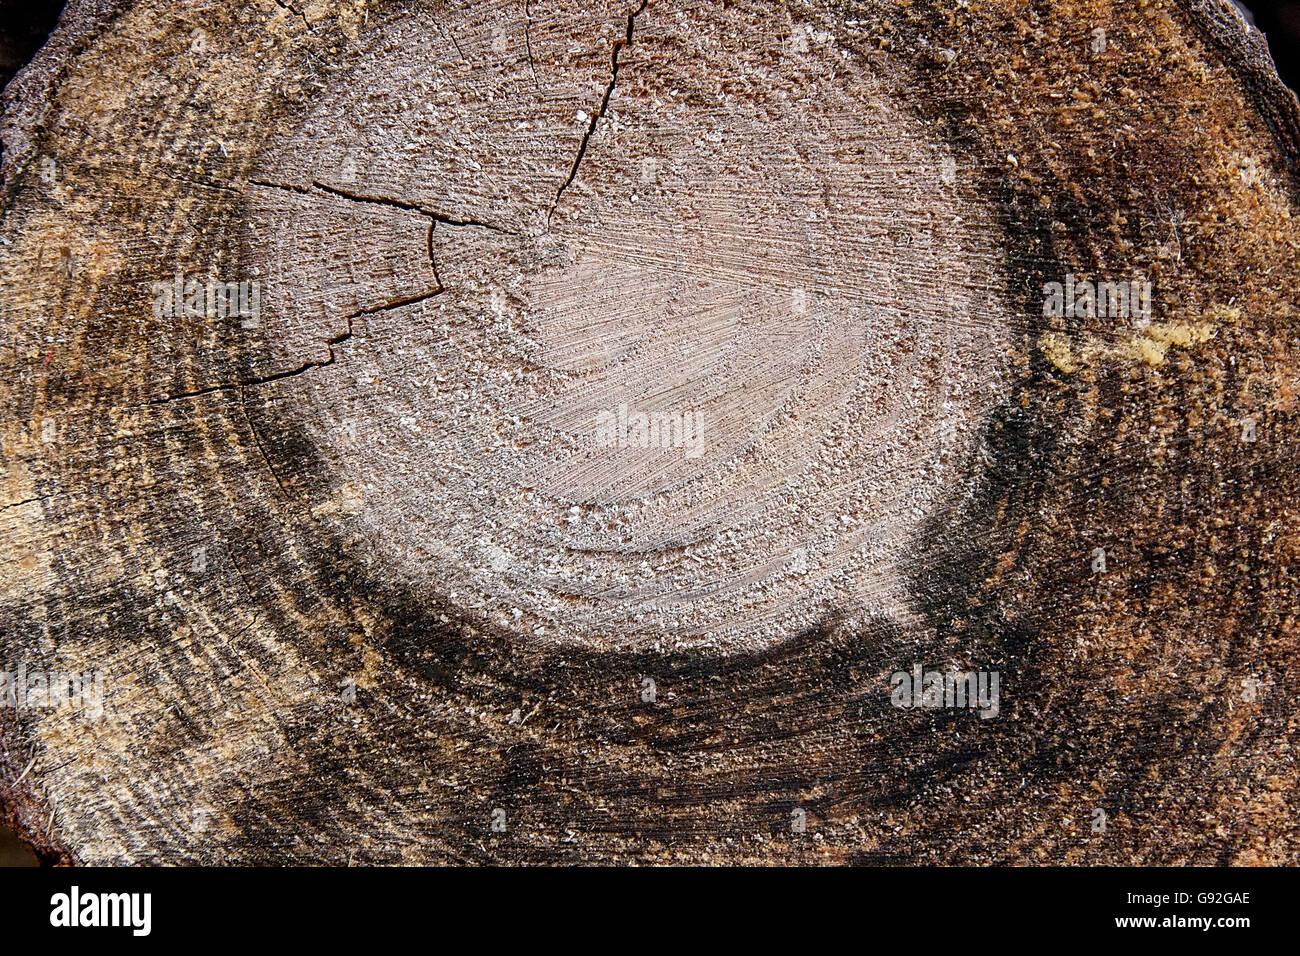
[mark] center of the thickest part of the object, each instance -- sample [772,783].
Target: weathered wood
[387,568]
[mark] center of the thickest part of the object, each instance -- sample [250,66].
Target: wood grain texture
[365,574]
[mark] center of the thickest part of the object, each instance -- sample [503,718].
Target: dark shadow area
[24,25]
[1279,20]
[13,852]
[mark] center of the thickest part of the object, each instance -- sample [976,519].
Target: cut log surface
[533,432]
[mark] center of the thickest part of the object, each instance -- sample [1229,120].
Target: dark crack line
[433,262]
[528,39]
[306,25]
[257,439]
[599,114]
[27,501]
[374,200]
[306,366]
[239,570]
[451,35]
[389,201]
[413,207]
[297,13]
[434,220]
